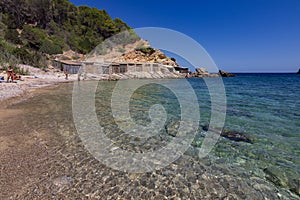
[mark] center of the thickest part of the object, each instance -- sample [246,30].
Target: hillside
[32,30]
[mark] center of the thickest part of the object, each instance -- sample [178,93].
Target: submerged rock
[226,74]
[231,135]
[282,179]
[294,186]
[236,136]
[272,177]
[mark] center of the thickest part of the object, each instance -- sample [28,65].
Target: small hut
[72,67]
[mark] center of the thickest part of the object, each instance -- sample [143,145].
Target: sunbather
[10,74]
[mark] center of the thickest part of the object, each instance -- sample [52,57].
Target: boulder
[225,74]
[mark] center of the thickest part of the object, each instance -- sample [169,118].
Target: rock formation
[298,71]
[146,54]
[138,52]
[203,73]
[226,74]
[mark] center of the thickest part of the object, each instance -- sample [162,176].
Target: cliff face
[145,53]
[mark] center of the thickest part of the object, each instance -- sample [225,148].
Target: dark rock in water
[294,186]
[225,74]
[172,128]
[236,136]
[205,127]
[280,178]
[231,135]
[272,177]
[298,71]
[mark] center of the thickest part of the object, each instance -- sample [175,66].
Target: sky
[239,35]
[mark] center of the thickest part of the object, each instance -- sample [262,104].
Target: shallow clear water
[266,106]
[263,106]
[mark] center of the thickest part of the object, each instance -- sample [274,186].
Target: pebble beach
[37,79]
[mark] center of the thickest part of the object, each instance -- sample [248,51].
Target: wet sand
[41,157]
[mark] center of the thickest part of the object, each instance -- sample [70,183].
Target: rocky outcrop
[138,52]
[226,74]
[203,73]
[146,54]
[132,75]
[298,71]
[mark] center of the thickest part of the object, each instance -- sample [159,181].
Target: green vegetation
[32,29]
[145,50]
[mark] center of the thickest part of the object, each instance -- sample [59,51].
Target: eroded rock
[226,74]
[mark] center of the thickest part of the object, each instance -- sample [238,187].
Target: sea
[264,108]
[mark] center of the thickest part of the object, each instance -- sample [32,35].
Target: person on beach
[10,74]
[66,74]
[17,77]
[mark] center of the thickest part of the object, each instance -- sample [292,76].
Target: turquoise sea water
[265,107]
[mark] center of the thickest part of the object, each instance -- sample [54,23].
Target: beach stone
[62,181]
[172,128]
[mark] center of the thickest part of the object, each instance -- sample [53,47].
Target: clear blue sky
[240,35]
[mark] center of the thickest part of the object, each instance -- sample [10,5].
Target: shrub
[145,50]
[49,47]
[121,50]
[23,55]
[12,36]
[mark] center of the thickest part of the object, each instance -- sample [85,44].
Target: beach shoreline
[16,92]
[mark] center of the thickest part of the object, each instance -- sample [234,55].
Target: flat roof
[69,62]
